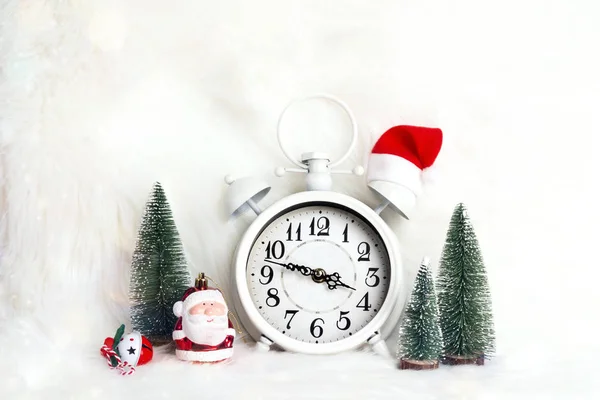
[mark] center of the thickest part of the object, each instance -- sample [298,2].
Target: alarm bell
[244,193]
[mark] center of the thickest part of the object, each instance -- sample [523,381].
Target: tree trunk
[463,360]
[160,341]
[418,364]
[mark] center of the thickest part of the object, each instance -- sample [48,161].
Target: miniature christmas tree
[464,296]
[159,274]
[420,343]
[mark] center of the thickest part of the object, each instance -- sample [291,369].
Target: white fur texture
[98,99]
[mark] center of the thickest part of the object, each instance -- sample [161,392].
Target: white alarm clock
[317,272]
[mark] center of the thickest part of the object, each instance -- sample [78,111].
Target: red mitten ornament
[203,332]
[125,352]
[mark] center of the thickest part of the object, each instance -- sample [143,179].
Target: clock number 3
[371,274]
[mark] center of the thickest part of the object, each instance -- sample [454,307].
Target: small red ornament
[203,332]
[125,352]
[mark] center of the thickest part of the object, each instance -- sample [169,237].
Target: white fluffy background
[100,98]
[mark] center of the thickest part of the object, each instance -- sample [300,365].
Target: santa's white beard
[200,331]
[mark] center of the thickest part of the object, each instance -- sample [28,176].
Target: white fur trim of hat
[197,297]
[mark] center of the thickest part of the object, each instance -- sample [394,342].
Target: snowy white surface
[99,99]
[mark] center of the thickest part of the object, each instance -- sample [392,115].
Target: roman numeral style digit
[345,233]
[316,330]
[365,299]
[346,321]
[289,233]
[272,295]
[322,224]
[293,313]
[277,250]
[267,272]
[371,274]
[364,249]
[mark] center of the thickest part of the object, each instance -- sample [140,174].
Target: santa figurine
[203,332]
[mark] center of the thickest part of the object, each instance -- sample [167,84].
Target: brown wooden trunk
[463,360]
[161,342]
[418,365]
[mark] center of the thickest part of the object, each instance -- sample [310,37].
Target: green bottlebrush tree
[464,296]
[159,273]
[420,337]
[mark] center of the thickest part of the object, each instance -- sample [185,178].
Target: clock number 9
[272,295]
[365,251]
[316,330]
[266,272]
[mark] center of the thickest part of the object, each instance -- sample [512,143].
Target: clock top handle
[333,99]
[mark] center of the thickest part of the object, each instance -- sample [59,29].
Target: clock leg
[378,345]
[264,344]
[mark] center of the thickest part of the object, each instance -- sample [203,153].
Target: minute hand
[332,280]
[306,271]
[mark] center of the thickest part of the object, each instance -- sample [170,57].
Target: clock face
[300,254]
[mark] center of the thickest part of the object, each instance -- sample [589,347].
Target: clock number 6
[371,274]
[316,330]
[345,319]
[272,295]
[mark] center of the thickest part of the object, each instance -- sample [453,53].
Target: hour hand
[333,281]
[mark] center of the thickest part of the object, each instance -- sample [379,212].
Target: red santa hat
[195,295]
[397,162]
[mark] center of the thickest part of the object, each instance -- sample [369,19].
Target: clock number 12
[322,224]
[372,274]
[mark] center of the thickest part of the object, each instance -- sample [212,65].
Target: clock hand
[332,280]
[306,271]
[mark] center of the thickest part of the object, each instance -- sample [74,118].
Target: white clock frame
[265,334]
